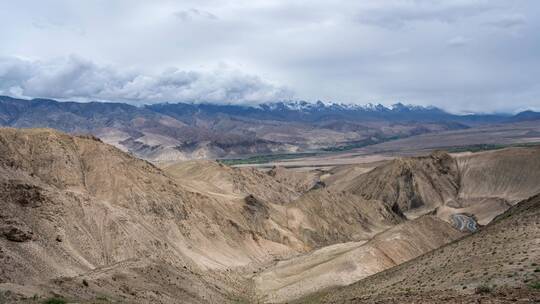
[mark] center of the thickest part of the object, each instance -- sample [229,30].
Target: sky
[460,55]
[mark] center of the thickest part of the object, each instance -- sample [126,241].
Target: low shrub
[482,289]
[55,301]
[535,285]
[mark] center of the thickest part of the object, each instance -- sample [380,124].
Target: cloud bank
[80,79]
[460,55]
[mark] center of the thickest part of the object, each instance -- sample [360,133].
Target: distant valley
[181,131]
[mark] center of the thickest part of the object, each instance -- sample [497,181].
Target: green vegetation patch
[362,143]
[54,300]
[488,147]
[535,285]
[262,159]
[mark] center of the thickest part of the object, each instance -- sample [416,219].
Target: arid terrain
[270,152]
[84,221]
[498,264]
[473,139]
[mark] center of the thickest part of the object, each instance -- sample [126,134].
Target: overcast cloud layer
[462,55]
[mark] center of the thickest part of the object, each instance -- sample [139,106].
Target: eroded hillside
[498,264]
[346,263]
[76,209]
[86,221]
[482,184]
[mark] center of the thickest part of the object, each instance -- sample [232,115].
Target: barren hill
[410,183]
[74,208]
[482,184]
[286,204]
[346,263]
[498,264]
[85,220]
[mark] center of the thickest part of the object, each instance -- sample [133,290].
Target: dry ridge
[482,184]
[498,264]
[76,210]
[84,220]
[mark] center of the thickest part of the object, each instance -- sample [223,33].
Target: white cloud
[345,51]
[509,21]
[193,13]
[396,52]
[397,14]
[458,41]
[77,78]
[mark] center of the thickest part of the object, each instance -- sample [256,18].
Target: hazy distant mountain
[173,131]
[310,112]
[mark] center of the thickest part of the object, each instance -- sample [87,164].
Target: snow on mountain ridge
[301,105]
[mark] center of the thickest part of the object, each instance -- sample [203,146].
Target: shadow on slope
[500,262]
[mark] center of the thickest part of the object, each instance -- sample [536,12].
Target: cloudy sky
[462,55]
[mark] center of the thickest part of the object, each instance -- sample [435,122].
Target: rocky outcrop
[410,183]
[16,231]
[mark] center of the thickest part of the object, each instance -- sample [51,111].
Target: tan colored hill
[284,205]
[82,219]
[210,177]
[346,263]
[436,182]
[511,174]
[481,184]
[498,264]
[410,183]
[74,209]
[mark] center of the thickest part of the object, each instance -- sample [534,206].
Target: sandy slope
[347,263]
[285,206]
[511,174]
[482,184]
[73,205]
[74,209]
[438,184]
[503,257]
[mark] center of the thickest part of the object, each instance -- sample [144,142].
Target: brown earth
[498,264]
[482,184]
[84,220]
[74,208]
[346,263]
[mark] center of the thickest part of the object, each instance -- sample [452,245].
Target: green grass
[535,285]
[361,143]
[262,159]
[266,158]
[487,147]
[54,301]
[353,145]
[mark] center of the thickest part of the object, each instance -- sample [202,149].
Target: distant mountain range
[172,131]
[312,112]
